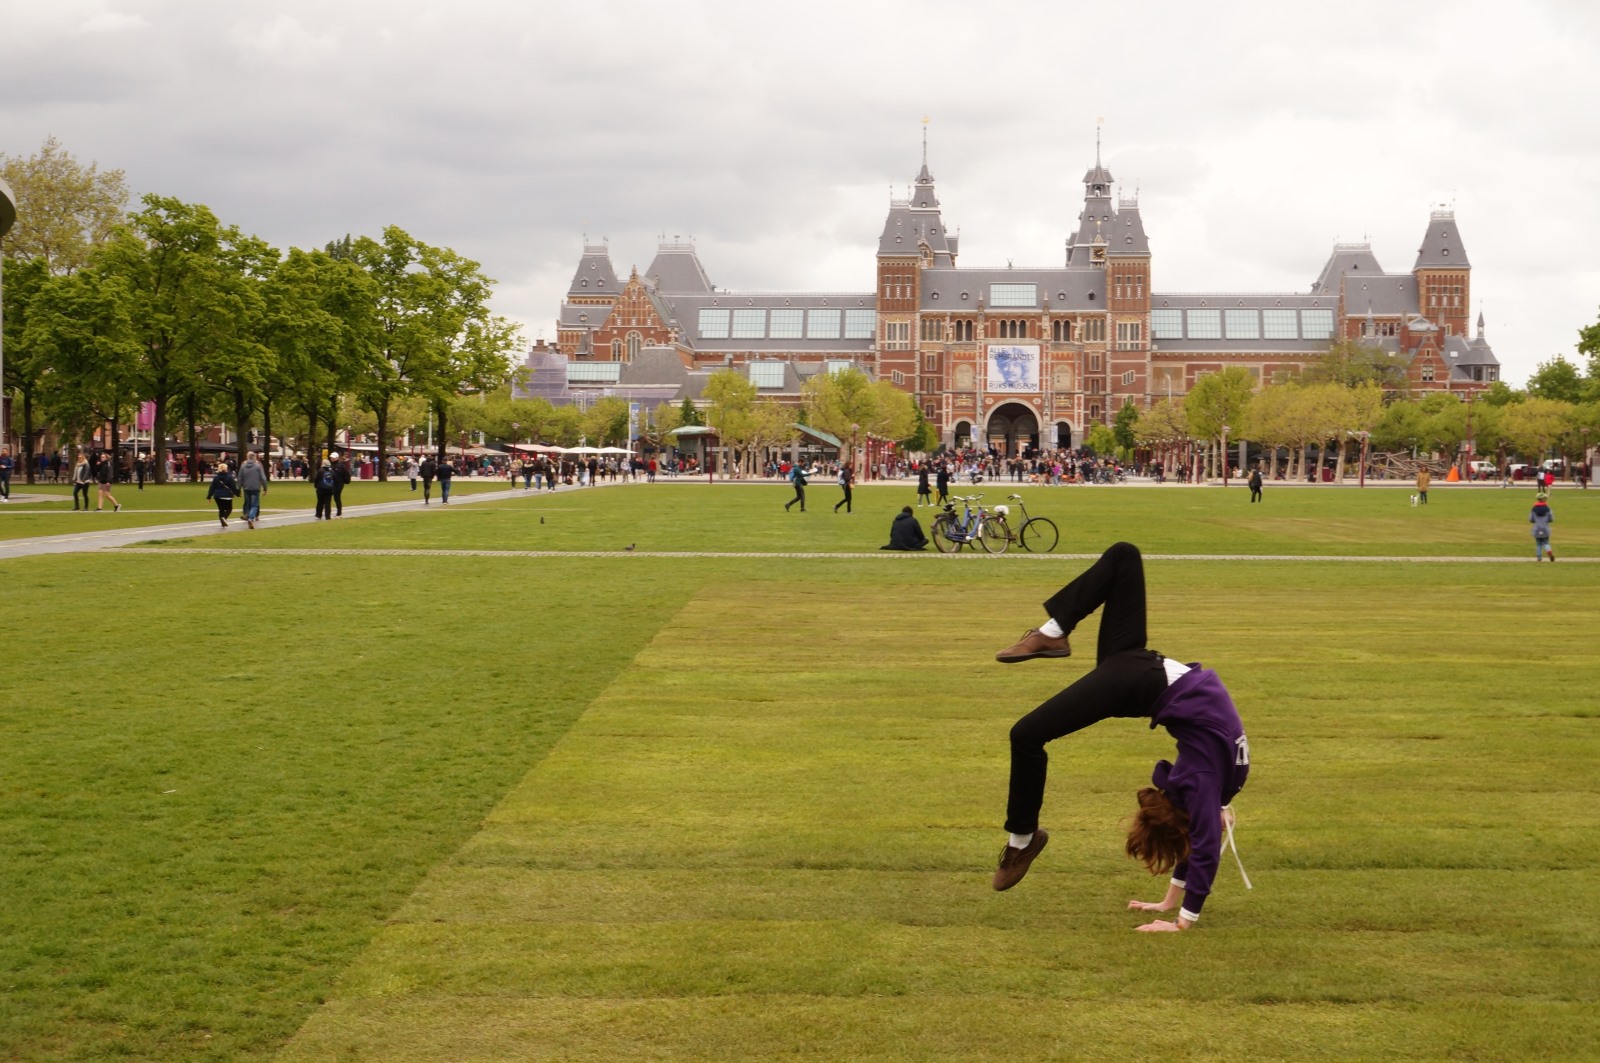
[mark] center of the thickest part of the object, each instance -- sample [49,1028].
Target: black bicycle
[1038,535]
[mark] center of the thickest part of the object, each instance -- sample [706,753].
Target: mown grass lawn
[378,807]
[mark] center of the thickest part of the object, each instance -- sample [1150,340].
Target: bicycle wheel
[996,535]
[1039,535]
[940,533]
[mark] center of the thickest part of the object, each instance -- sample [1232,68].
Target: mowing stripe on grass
[885,555]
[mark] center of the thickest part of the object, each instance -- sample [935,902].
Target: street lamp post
[1361,476]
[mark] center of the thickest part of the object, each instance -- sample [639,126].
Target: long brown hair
[1159,835]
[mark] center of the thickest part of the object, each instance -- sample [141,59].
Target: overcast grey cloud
[1256,134]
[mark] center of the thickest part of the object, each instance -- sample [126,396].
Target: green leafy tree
[64,208]
[847,405]
[181,268]
[1538,425]
[1354,362]
[923,436]
[1218,399]
[1100,439]
[1556,379]
[81,324]
[436,337]
[605,423]
[26,367]
[1124,426]
[1500,394]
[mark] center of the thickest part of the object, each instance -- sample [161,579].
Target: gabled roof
[1441,244]
[1126,235]
[594,275]
[583,316]
[655,367]
[1356,259]
[676,268]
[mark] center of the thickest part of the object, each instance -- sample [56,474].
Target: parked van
[1484,470]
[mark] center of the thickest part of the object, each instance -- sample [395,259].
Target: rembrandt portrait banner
[1013,367]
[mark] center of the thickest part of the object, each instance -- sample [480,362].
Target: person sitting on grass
[905,533]
[1181,819]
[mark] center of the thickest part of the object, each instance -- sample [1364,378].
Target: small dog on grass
[1413,500]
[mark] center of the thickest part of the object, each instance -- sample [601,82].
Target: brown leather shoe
[1035,643]
[1014,863]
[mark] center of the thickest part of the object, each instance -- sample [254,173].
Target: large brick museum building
[1010,356]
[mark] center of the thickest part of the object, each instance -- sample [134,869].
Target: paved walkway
[111,538]
[877,555]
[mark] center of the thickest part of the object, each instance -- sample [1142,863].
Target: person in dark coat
[906,533]
[942,482]
[325,480]
[924,491]
[445,471]
[797,477]
[222,491]
[847,477]
[1255,484]
[429,470]
[341,476]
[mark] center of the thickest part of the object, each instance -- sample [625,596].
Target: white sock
[1051,628]
[1020,841]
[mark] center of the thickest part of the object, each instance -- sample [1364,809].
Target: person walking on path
[325,479]
[413,470]
[941,481]
[223,488]
[1255,484]
[1541,518]
[924,491]
[80,481]
[906,533]
[445,472]
[1424,478]
[846,478]
[7,464]
[1182,818]
[252,484]
[341,476]
[429,469]
[102,475]
[797,477]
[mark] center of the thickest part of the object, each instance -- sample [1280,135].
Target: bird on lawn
[630,546]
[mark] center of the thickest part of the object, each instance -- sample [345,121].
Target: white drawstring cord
[1227,821]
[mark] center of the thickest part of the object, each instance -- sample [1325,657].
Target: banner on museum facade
[1013,367]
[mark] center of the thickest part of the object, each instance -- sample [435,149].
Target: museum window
[897,335]
[1427,373]
[1128,335]
[963,332]
[897,376]
[930,363]
[1094,363]
[616,350]
[635,341]
[1094,330]
[933,329]
[1129,377]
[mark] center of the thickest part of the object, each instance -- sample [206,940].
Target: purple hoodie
[1213,761]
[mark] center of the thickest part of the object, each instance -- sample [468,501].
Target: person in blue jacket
[1541,517]
[1180,822]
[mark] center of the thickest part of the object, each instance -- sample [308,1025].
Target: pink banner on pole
[146,419]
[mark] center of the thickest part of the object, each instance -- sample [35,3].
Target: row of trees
[106,310]
[1349,395]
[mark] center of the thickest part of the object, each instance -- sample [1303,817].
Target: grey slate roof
[957,290]
[1126,236]
[594,275]
[1441,244]
[655,367]
[546,377]
[580,315]
[676,268]
[1356,259]
[1387,295]
[899,235]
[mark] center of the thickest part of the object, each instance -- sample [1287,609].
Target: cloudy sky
[1256,134]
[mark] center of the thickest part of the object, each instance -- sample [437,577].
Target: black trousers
[338,498]
[324,503]
[845,501]
[224,508]
[76,489]
[799,496]
[1126,680]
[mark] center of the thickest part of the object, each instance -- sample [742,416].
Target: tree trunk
[439,412]
[241,419]
[333,424]
[158,429]
[381,412]
[191,415]
[311,433]
[27,432]
[266,434]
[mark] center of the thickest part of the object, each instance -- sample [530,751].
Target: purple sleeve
[1203,801]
